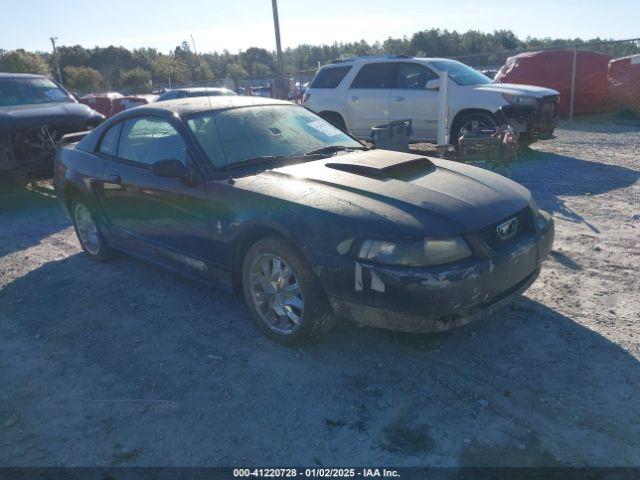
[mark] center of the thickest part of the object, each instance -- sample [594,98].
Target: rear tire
[89,235]
[286,300]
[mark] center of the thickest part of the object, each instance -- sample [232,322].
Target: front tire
[286,300]
[91,239]
[471,123]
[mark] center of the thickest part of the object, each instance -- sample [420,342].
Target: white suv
[356,94]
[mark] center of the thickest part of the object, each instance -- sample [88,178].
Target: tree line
[91,69]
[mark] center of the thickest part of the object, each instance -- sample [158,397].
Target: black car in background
[194,92]
[35,112]
[264,197]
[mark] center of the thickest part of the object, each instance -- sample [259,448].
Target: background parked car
[34,114]
[358,93]
[261,91]
[124,103]
[194,92]
[102,102]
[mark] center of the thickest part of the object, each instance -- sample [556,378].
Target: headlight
[521,100]
[431,251]
[542,220]
[541,217]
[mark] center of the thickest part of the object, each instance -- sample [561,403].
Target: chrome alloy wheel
[87,229]
[276,294]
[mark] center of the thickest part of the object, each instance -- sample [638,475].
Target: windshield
[239,134]
[461,73]
[26,91]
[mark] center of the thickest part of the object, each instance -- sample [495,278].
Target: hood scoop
[384,164]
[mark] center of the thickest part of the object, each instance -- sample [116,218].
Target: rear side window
[329,77]
[376,75]
[110,141]
[147,140]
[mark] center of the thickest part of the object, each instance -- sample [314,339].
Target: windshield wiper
[270,158]
[255,161]
[262,159]
[332,149]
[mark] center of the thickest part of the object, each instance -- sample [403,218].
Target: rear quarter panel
[77,170]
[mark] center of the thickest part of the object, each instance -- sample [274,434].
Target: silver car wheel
[276,294]
[87,229]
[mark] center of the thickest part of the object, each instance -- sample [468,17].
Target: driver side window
[147,140]
[413,76]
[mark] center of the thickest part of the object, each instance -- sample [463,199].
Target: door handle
[397,99]
[114,179]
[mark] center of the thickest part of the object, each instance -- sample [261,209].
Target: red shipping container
[554,70]
[624,83]
[101,102]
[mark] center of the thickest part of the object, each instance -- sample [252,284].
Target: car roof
[380,58]
[20,75]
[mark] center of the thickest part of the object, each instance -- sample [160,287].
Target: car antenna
[195,52]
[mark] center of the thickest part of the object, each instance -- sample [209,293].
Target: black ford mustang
[265,197]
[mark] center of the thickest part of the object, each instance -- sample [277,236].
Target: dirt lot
[125,364]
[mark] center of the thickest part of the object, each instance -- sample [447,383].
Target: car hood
[61,115]
[409,194]
[516,89]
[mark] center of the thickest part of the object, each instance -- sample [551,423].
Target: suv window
[376,75]
[147,140]
[414,76]
[109,142]
[329,77]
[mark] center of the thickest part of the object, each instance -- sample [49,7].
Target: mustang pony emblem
[507,229]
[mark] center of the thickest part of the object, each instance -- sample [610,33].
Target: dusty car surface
[34,114]
[264,197]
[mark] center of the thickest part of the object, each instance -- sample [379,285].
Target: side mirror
[172,167]
[433,84]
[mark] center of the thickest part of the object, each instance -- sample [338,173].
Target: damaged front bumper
[439,298]
[532,123]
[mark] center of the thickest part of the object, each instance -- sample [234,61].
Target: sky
[235,25]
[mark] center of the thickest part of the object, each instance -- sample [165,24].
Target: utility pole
[55,58]
[276,26]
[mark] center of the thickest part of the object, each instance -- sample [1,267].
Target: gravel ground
[125,364]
